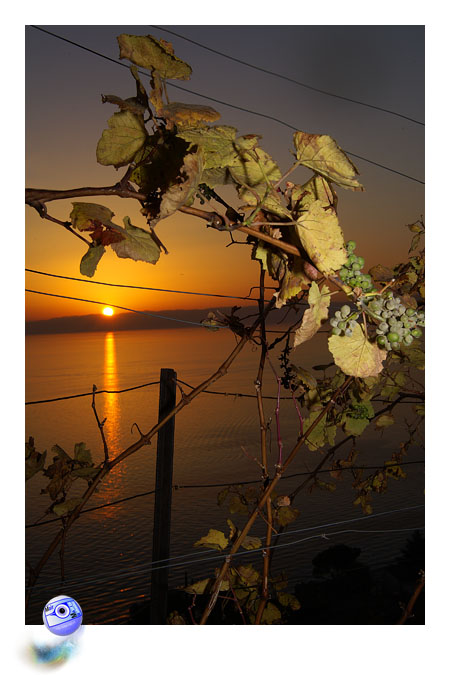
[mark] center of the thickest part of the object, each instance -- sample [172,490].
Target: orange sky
[65,118]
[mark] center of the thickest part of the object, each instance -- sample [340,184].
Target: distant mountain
[123,321]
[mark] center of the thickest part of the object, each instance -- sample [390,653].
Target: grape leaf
[271,203]
[86,472]
[216,142]
[247,575]
[90,260]
[271,614]
[119,143]
[289,600]
[354,426]
[385,420]
[356,355]
[304,376]
[317,438]
[321,237]
[148,52]
[286,515]
[294,281]
[214,539]
[250,543]
[301,196]
[137,244]
[34,461]
[84,215]
[415,355]
[64,508]
[248,170]
[132,104]
[188,114]
[180,193]
[82,454]
[323,155]
[315,315]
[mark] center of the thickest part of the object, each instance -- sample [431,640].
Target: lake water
[108,551]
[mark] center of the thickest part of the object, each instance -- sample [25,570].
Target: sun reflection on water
[112,413]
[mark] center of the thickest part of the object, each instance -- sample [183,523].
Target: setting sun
[108,311]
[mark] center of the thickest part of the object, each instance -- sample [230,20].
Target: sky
[379,65]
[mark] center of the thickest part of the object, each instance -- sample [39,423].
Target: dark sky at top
[379,65]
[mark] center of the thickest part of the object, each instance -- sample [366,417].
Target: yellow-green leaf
[287,514]
[216,143]
[271,614]
[250,543]
[84,215]
[253,167]
[205,584]
[385,420]
[178,194]
[90,260]
[321,237]
[315,315]
[189,114]
[323,155]
[356,355]
[65,507]
[214,539]
[148,52]
[272,202]
[294,281]
[137,244]
[119,143]
[289,600]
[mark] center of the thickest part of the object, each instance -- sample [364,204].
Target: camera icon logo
[62,615]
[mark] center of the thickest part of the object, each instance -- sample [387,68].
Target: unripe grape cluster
[351,273]
[344,321]
[397,324]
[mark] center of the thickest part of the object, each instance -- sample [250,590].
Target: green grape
[334,322]
[374,306]
[408,339]
[416,333]
[361,261]
[351,259]
[351,245]
[357,273]
[383,326]
[395,345]
[390,304]
[345,311]
[393,337]
[338,314]
[342,325]
[356,266]
[381,340]
[421,316]
[348,332]
[389,295]
[410,311]
[366,285]
[385,314]
[336,331]
[353,282]
[352,324]
[401,310]
[343,273]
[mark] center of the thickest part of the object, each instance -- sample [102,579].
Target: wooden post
[163,497]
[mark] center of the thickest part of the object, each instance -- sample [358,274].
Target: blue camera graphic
[62,615]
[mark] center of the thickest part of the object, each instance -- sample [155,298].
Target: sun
[107,311]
